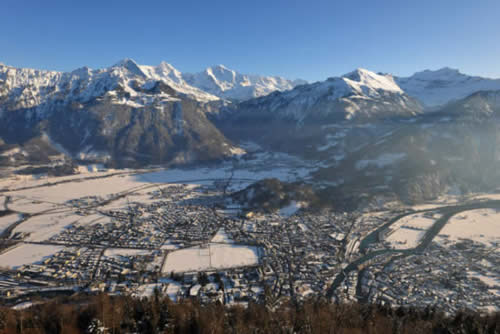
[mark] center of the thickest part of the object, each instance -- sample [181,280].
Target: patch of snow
[407,232]
[490,281]
[8,220]
[437,88]
[117,252]
[222,237]
[27,254]
[481,225]
[213,256]
[383,160]
[291,208]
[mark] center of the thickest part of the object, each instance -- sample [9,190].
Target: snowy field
[26,205]
[45,196]
[6,221]
[291,209]
[489,280]
[119,252]
[481,225]
[407,232]
[215,256]
[47,199]
[27,254]
[42,228]
[264,165]
[222,237]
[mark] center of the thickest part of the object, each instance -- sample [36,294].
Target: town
[191,241]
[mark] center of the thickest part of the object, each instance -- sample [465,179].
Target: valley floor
[135,231]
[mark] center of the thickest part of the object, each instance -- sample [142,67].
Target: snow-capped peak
[226,83]
[220,67]
[131,66]
[360,94]
[445,73]
[442,86]
[222,77]
[164,71]
[364,81]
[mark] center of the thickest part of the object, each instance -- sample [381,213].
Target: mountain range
[397,134]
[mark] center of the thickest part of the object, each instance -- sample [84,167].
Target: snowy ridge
[360,92]
[28,88]
[369,83]
[226,83]
[22,88]
[174,78]
[437,88]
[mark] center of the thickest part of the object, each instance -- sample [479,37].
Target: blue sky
[310,39]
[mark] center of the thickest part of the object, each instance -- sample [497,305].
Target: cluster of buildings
[300,256]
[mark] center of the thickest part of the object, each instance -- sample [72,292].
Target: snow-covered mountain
[131,114]
[437,88]
[229,84]
[126,114]
[28,88]
[358,95]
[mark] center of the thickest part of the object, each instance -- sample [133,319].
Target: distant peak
[220,68]
[448,69]
[360,73]
[131,66]
[164,64]
[444,72]
[85,70]
[125,62]
[361,77]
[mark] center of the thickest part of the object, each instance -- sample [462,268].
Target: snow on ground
[222,237]
[489,280]
[14,181]
[93,168]
[481,225]
[63,192]
[404,238]
[383,160]
[173,290]
[27,254]
[93,219]
[303,227]
[290,209]
[22,306]
[26,205]
[147,290]
[407,232]
[215,256]
[263,165]
[43,227]
[117,252]
[169,245]
[6,221]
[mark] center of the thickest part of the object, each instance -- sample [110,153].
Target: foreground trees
[106,314]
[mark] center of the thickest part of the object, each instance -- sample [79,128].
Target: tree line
[158,314]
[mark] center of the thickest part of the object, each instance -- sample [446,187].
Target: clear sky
[307,39]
